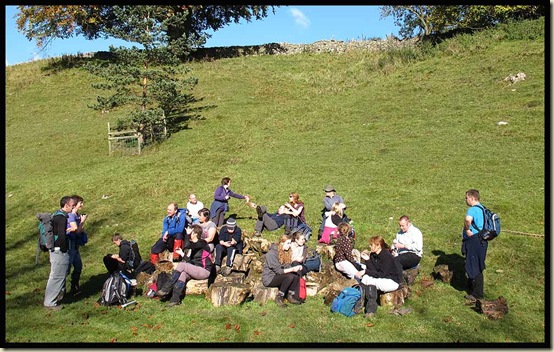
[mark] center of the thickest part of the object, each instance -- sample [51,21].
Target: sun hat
[329,188]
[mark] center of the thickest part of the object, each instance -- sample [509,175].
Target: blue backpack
[305,229]
[348,301]
[491,224]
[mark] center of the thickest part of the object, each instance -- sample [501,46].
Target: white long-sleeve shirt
[412,239]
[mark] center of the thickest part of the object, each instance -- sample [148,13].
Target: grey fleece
[272,266]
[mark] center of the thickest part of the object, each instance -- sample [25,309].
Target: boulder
[394,298]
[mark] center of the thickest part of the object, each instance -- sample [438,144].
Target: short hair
[64,201]
[117,237]
[225,181]
[175,205]
[205,212]
[473,193]
[404,217]
[197,229]
[77,198]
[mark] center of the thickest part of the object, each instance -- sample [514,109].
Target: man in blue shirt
[172,233]
[473,247]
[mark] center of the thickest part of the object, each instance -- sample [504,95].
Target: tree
[428,20]
[144,78]
[186,25]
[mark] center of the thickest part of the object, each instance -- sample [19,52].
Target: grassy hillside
[396,133]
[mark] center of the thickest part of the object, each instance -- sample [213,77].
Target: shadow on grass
[89,288]
[456,263]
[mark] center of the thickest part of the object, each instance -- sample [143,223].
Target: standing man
[76,238]
[172,233]
[230,243]
[59,257]
[193,206]
[331,197]
[408,244]
[473,247]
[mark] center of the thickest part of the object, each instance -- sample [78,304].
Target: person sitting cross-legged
[230,243]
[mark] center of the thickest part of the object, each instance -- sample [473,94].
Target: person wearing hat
[330,198]
[230,244]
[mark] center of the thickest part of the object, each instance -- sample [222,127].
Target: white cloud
[36,56]
[299,17]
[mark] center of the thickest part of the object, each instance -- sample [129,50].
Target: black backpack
[134,259]
[116,290]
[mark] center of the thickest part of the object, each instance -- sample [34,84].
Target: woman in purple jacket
[220,205]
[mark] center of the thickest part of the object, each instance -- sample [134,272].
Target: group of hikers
[202,240]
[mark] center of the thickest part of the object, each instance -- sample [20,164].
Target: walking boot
[164,290]
[280,300]
[178,289]
[292,299]
[177,244]
[371,295]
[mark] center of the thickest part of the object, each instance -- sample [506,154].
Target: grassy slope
[408,139]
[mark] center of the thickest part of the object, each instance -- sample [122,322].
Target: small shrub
[523,30]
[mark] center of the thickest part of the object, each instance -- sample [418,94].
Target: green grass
[394,136]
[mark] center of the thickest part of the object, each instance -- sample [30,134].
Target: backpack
[305,229]
[134,258]
[491,224]
[347,301]
[46,237]
[115,290]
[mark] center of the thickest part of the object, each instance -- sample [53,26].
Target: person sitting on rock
[172,233]
[408,244]
[230,243]
[197,266]
[382,273]
[299,254]
[331,223]
[277,272]
[344,260]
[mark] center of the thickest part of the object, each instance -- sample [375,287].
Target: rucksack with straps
[348,302]
[491,224]
[46,237]
[116,290]
[134,259]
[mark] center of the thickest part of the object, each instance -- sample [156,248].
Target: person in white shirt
[408,244]
[193,206]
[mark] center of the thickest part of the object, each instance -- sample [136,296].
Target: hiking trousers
[55,288]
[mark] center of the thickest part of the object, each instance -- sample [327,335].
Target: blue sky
[290,24]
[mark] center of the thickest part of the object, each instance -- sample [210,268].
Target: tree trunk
[222,293]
